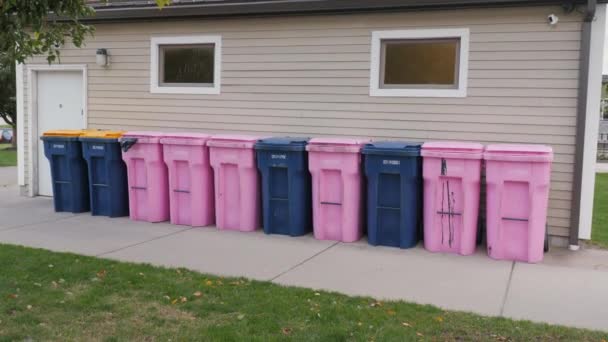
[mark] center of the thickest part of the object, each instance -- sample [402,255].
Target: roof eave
[253,8]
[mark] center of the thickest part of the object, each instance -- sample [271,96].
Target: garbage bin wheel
[546,247]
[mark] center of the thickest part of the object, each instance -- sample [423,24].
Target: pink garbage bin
[190,179]
[337,185]
[451,174]
[518,179]
[237,189]
[147,176]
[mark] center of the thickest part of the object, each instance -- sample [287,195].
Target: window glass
[186,64]
[426,63]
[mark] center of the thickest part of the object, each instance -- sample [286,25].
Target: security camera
[552,19]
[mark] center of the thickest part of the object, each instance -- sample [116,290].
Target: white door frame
[32,114]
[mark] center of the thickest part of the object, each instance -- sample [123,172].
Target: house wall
[309,75]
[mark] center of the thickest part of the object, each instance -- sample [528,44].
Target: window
[429,63]
[185,65]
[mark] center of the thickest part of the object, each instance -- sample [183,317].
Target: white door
[59,107]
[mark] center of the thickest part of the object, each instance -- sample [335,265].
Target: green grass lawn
[599,234]
[8,156]
[55,296]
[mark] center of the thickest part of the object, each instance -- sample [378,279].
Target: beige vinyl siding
[309,76]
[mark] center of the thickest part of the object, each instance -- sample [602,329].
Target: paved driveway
[8,176]
[568,288]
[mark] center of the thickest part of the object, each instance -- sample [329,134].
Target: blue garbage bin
[68,170]
[394,193]
[109,195]
[286,188]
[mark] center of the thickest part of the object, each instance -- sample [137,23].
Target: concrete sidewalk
[568,288]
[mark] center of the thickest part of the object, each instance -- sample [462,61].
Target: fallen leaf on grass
[391,312]
[173,302]
[419,334]
[286,331]
[54,284]
[406,324]
[13,296]
[141,274]
[198,294]
[240,317]
[376,304]
[317,294]
[29,307]
[51,266]
[37,284]
[209,283]
[183,299]
[439,319]
[61,280]
[359,323]
[102,274]
[167,297]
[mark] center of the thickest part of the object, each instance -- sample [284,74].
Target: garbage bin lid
[143,134]
[452,149]
[148,137]
[516,152]
[393,148]
[64,133]
[282,144]
[185,138]
[233,141]
[102,134]
[352,145]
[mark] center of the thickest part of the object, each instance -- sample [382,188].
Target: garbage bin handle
[451,213]
[127,143]
[515,219]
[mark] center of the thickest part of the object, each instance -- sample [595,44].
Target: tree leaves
[41,27]
[163,3]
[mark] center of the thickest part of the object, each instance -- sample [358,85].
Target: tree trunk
[14,140]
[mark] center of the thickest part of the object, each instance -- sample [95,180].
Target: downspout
[581,119]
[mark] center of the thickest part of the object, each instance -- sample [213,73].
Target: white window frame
[375,88]
[156,42]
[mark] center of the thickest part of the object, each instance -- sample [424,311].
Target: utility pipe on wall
[581,120]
